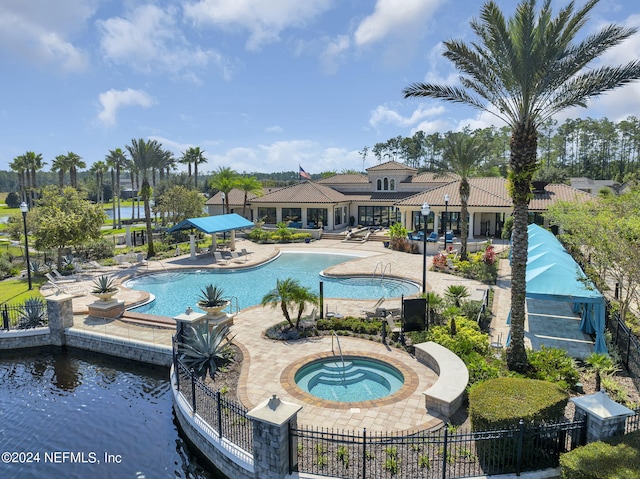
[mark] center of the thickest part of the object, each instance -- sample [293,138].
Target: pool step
[346,379]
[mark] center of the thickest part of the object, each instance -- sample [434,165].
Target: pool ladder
[333,333]
[383,270]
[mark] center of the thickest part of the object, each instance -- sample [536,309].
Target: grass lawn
[17,290]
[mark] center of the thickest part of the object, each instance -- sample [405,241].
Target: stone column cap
[601,405]
[274,411]
[189,317]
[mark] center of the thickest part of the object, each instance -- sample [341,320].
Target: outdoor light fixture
[446,219]
[224,197]
[25,209]
[425,210]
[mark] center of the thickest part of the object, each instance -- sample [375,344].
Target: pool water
[174,291]
[349,380]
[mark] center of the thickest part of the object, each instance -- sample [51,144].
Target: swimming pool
[174,291]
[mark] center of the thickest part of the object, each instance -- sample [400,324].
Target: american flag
[304,174]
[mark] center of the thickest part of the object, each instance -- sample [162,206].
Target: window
[392,184]
[291,214]
[317,215]
[379,185]
[268,215]
[378,215]
[385,184]
[337,216]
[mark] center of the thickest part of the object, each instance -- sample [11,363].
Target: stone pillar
[605,417]
[127,235]
[472,219]
[60,313]
[272,445]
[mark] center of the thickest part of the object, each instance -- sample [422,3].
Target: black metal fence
[443,454]
[227,418]
[30,314]
[628,346]
[633,422]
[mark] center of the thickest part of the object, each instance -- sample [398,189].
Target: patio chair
[226,255]
[310,322]
[67,287]
[58,280]
[60,277]
[433,237]
[245,254]
[217,255]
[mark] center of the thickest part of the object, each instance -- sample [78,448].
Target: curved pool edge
[288,382]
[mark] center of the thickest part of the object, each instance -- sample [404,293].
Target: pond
[74,414]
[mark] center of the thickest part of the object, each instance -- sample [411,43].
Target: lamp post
[446,218]
[425,210]
[25,208]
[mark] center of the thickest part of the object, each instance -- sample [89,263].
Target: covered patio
[213,225]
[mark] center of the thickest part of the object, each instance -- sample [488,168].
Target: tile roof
[557,192]
[489,191]
[344,179]
[435,178]
[392,165]
[305,192]
[236,197]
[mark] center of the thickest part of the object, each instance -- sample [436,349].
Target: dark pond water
[64,409]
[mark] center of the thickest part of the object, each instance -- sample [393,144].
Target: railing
[628,346]
[22,316]
[633,422]
[443,454]
[227,418]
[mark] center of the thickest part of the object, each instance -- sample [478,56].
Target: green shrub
[615,458]
[468,338]
[553,365]
[482,368]
[350,323]
[502,402]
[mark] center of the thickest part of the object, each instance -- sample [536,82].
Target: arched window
[379,185]
[392,184]
[386,184]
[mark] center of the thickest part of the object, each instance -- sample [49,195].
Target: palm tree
[144,156]
[249,184]
[34,163]
[462,153]
[196,156]
[74,163]
[19,165]
[186,159]
[602,365]
[283,294]
[224,180]
[117,160]
[60,165]
[99,168]
[301,297]
[524,71]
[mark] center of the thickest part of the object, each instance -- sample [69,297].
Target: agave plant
[32,313]
[211,296]
[104,284]
[205,349]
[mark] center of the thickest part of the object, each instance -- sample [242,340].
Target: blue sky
[260,85]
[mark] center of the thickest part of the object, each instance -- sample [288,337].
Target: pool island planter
[106,296]
[214,311]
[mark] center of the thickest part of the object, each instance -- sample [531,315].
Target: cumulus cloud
[113,100]
[335,52]
[265,21]
[385,115]
[41,31]
[148,39]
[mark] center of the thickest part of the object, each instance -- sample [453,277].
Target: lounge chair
[66,286]
[310,322]
[374,312]
[217,255]
[245,254]
[433,237]
[59,280]
[60,277]
[227,256]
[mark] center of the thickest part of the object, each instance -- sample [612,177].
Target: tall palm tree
[196,156]
[60,165]
[19,165]
[462,153]
[186,159]
[99,168]
[524,71]
[34,163]
[117,160]
[248,184]
[75,163]
[224,180]
[145,155]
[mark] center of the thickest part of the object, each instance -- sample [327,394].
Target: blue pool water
[351,380]
[174,291]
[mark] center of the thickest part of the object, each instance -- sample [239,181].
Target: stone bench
[446,395]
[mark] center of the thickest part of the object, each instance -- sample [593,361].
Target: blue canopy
[552,274]
[214,224]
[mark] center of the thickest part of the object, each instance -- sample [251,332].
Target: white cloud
[264,20]
[335,53]
[394,18]
[274,129]
[113,100]
[41,31]
[147,39]
[385,115]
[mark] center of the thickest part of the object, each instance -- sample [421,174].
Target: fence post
[519,447]
[193,390]
[446,452]
[626,359]
[5,318]
[219,411]
[364,453]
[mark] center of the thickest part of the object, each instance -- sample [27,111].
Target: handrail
[333,333]
[385,270]
[376,269]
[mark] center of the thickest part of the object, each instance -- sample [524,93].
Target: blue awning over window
[214,224]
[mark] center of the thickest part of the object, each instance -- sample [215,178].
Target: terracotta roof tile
[305,192]
[557,192]
[392,165]
[344,179]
